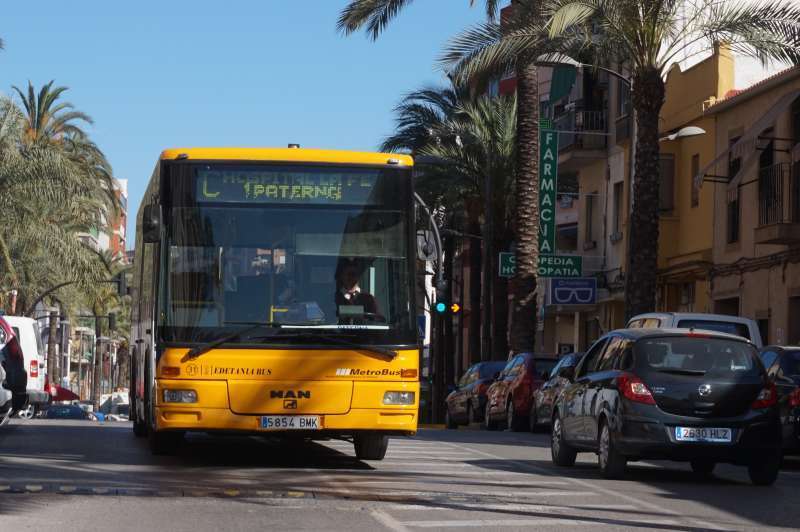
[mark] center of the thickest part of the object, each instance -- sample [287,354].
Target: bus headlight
[180,396]
[398,398]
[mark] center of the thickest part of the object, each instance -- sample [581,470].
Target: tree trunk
[52,359]
[475,264]
[500,291]
[640,280]
[523,284]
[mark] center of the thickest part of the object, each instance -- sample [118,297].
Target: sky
[179,73]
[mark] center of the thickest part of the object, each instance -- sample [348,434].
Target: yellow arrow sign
[455,307]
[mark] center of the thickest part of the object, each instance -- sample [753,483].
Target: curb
[431,425]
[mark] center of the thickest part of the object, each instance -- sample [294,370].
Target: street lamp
[688,131]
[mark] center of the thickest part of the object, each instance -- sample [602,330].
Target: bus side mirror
[151,224]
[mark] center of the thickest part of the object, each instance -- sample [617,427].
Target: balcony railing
[579,129]
[779,194]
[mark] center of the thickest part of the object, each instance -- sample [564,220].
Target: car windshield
[489,369]
[696,355]
[543,367]
[739,329]
[791,363]
[330,253]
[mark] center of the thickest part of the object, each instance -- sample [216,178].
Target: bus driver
[349,294]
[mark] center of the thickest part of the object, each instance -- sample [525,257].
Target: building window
[734,163]
[618,191]
[623,99]
[687,294]
[733,220]
[666,196]
[695,171]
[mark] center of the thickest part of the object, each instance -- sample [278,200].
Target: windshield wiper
[251,326]
[680,371]
[334,340]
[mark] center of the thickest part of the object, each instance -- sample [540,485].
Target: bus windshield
[321,248]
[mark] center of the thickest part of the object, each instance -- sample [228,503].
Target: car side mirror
[567,372]
[151,224]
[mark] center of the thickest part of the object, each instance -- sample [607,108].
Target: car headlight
[180,396]
[398,398]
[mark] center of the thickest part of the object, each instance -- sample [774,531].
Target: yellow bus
[274,293]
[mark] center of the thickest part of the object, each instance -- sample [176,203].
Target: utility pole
[52,358]
[96,361]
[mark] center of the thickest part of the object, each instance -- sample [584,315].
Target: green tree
[649,36]
[461,145]
[487,50]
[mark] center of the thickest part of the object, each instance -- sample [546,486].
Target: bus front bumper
[222,419]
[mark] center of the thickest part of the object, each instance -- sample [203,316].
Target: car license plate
[714,435]
[291,422]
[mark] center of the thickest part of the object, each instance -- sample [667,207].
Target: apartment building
[755,184]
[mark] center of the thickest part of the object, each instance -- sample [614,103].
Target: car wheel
[533,419]
[763,471]
[370,446]
[165,442]
[612,463]
[488,422]
[513,420]
[448,419]
[27,412]
[703,468]
[562,453]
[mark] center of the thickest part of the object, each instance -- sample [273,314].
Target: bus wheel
[162,443]
[370,446]
[139,427]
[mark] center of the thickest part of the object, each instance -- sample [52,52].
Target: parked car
[65,412]
[14,381]
[783,367]
[546,395]
[509,398]
[744,327]
[30,340]
[674,394]
[467,402]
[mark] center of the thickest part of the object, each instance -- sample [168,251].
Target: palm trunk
[475,264]
[523,284]
[640,281]
[500,291]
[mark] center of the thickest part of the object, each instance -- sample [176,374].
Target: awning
[745,147]
[562,82]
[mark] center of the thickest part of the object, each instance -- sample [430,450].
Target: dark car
[13,362]
[671,394]
[467,402]
[65,412]
[510,397]
[783,367]
[545,397]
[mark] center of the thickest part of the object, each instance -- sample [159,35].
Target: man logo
[290,404]
[290,394]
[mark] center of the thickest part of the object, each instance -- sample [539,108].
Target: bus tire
[370,446]
[164,443]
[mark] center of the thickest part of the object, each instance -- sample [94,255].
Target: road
[90,476]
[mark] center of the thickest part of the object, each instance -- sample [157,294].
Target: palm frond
[374,14]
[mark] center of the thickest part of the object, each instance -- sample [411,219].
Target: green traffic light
[441,307]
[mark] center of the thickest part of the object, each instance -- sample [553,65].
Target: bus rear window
[739,329]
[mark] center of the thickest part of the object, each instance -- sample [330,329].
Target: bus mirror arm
[439,284]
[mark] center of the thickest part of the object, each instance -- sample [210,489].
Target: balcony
[779,205]
[582,138]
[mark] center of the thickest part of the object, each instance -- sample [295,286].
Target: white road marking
[590,485]
[539,522]
[388,521]
[514,507]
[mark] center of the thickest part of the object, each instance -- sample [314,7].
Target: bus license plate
[713,435]
[291,423]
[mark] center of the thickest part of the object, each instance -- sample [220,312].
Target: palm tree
[489,50]
[47,120]
[649,36]
[462,145]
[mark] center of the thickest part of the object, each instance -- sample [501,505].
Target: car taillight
[766,397]
[794,398]
[634,389]
[34,372]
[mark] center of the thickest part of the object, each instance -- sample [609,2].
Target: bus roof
[302,155]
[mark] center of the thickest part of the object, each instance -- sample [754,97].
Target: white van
[744,327]
[30,340]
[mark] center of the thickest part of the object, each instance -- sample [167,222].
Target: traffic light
[443,304]
[440,307]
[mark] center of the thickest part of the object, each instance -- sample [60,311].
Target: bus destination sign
[280,186]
